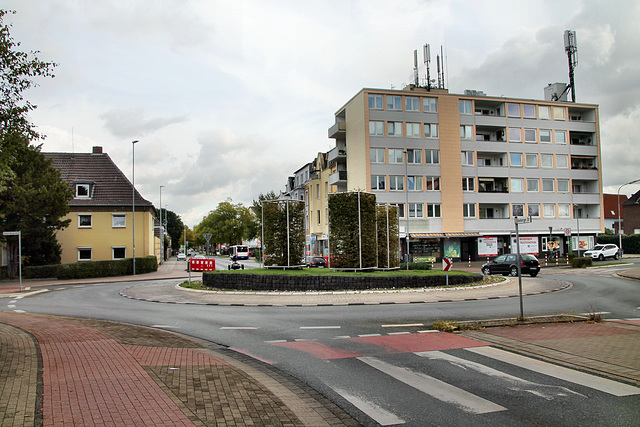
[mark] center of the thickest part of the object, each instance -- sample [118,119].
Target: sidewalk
[64,371]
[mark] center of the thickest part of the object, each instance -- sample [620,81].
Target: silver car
[600,252]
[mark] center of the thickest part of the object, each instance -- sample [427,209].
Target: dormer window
[83,191]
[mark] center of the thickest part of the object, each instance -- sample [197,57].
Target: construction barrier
[202,264]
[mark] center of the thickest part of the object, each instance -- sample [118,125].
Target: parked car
[317,261]
[182,256]
[508,265]
[600,252]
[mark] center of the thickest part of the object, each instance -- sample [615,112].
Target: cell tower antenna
[427,61]
[571,47]
[415,68]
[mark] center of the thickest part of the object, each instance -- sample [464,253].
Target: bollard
[546,259]
[469,261]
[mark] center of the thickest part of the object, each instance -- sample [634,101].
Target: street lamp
[619,223]
[133,198]
[161,229]
[406,191]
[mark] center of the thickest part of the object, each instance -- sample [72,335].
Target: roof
[110,187]
[611,205]
[634,200]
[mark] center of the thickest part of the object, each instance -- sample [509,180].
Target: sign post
[518,221]
[207,237]
[19,234]
[446,266]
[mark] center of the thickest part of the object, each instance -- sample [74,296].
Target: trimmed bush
[581,262]
[121,267]
[41,271]
[416,266]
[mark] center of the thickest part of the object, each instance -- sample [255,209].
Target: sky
[229,98]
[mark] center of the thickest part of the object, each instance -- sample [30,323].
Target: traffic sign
[567,232]
[446,264]
[10,233]
[207,236]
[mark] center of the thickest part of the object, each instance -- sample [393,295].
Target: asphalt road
[376,360]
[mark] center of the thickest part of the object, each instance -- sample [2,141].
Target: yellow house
[101,211]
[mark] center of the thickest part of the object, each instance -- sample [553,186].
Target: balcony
[339,177]
[337,154]
[338,130]
[580,162]
[490,133]
[493,185]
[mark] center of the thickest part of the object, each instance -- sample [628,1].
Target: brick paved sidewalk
[104,373]
[610,348]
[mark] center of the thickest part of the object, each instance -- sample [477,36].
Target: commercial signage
[528,245]
[487,246]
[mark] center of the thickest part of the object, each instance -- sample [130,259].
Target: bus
[239,252]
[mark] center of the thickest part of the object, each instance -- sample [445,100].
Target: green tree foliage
[388,236]
[175,228]
[256,208]
[284,232]
[352,227]
[228,224]
[33,197]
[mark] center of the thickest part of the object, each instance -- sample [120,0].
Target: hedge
[581,262]
[121,267]
[630,243]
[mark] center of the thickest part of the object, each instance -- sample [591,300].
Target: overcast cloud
[228,98]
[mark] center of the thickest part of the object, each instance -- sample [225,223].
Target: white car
[182,257]
[600,252]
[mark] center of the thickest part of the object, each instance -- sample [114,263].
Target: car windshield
[597,248]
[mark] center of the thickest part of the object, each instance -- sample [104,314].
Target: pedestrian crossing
[466,376]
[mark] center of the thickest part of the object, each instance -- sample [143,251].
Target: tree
[256,208]
[175,228]
[228,223]
[33,196]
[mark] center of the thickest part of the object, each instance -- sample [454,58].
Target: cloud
[131,122]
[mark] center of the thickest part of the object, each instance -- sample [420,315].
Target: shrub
[581,262]
[121,267]
[41,271]
[416,266]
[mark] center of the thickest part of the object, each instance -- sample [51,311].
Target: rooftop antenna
[571,47]
[442,59]
[415,68]
[438,63]
[427,61]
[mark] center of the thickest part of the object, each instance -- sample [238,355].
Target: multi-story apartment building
[462,167]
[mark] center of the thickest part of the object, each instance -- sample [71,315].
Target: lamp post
[161,229]
[619,223]
[133,199]
[406,191]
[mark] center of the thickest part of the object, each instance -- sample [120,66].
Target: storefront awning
[441,235]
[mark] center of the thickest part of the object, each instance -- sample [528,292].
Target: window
[533,210]
[396,183]
[515,135]
[318,191]
[413,130]
[530,136]
[84,220]
[469,210]
[468,184]
[563,186]
[414,156]
[376,155]
[532,160]
[415,210]
[517,210]
[466,132]
[562,161]
[400,210]
[118,220]
[375,102]
[546,160]
[533,186]
[433,183]
[558,113]
[318,215]
[396,156]
[561,137]
[547,185]
[432,157]
[411,103]
[414,183]
[549,210]
[564,210]
[465,107]
[82,191]
[515,159]
[513,110]
[544,112]
[376,128]
[467,158]
[545,135]
[430,130]
[394,102]
[517,185]
[433,210]
[529,111]
[377,182]
[394,128]
[430,105]
[118,252]
[84,254]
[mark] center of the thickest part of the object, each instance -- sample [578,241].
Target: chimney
[97,150]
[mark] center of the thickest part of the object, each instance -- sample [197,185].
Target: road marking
[399,333]
[165,326]
[435,388]
[406,325]
[428,331]
[238,328]
[19,311]
[595,313]
[370,335]
[320,327]
[11,306]
[341,337]
[275,341]
[602,384]
[379,415]
[303,340]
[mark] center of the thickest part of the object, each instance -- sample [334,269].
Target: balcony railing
[338,177]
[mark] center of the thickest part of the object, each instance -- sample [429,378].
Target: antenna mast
[415,68]
[571,47]
[427,61]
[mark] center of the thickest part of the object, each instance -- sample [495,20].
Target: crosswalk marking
[570,375]
[380,415]
[405,325]
[436,388]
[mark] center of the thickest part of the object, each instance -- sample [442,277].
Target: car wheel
[617,255]
[600,257]
[514,271]
[532,274]
[486,271]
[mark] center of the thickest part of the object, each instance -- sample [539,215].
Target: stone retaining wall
[268,282]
